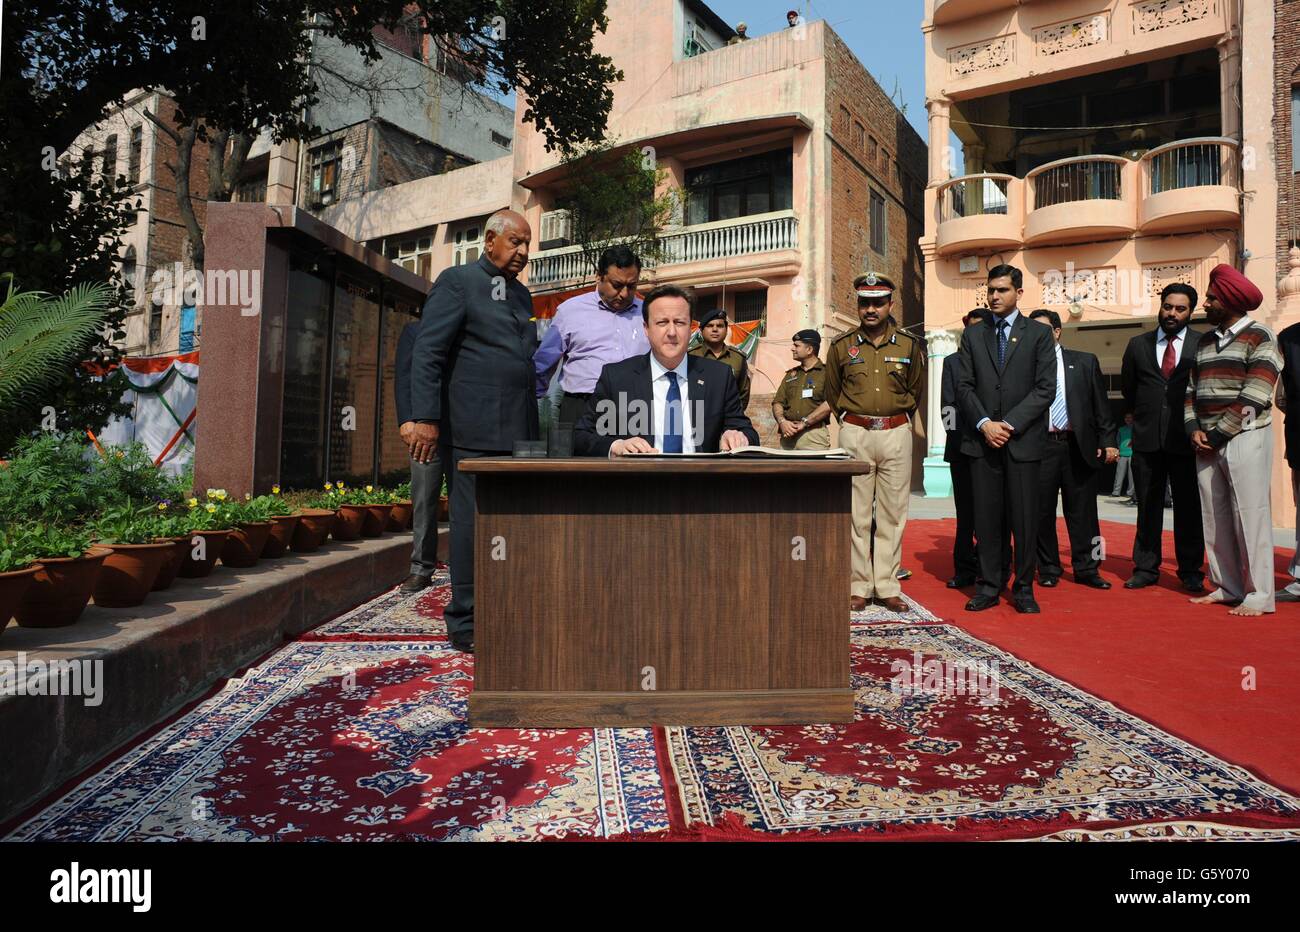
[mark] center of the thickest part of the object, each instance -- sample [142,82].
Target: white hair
[497,223]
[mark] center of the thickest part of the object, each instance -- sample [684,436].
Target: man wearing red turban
[1228,418]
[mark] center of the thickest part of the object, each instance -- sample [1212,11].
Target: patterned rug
[357,732]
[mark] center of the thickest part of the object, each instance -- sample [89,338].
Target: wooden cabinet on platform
[646,591]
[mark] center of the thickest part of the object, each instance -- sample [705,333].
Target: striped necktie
[1060,417]
[673,416]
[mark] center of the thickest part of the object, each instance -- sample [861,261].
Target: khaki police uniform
[875,390]
[800,393]
[733,358]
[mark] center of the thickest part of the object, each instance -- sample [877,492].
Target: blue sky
[884,34]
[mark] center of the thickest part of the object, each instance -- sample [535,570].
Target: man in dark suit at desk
[475,353]
[1005,386]
[1080,440]
[664,401]
[1154,381]
[426,477]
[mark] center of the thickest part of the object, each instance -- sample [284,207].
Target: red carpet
[1149,652]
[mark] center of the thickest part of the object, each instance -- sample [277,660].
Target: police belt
[875,423]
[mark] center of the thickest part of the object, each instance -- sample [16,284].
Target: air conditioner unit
[556,230]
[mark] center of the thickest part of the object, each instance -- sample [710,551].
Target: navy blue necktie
[1002,343]
[673,416]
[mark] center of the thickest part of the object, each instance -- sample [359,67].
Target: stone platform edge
[159,656]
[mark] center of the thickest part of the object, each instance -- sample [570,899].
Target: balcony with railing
[983,211]
[1190,184]
[721,240]
[1078,199]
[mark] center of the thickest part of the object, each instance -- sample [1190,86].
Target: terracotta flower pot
[314,525]
[348,521]
[12,586]
[277,542]
[399,519]
[60,589]
[214,543]
[244,545]
[376,520]
[129,573]
[444,509]
[172,564]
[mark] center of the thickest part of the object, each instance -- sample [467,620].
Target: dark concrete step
[169,651]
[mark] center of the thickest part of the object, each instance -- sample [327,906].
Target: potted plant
[208,526]
[350,511]
[316,517]
[17,567]
[131,569]
[173,529]
[69,567]
[399,519]
[378,508]
[284,521]
[251,526]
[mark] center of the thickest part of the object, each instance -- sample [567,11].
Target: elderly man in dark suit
[1080,440]
[665,401]
[472,385]
[1154,382]
[1006,384]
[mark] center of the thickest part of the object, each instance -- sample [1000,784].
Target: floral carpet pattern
[357,732]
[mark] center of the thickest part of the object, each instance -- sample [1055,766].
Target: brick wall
[873,148]
[1286,73]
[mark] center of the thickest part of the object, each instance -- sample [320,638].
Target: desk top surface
[667,465]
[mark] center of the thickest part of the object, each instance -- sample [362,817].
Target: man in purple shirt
[593,329]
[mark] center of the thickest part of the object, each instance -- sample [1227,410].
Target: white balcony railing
[1084,178]
[973,196]
[723,239]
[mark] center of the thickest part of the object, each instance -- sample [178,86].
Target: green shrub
[49,478]
[17,549]
[128,523]
[46,539]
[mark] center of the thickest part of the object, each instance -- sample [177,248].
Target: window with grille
[133,156]
[110,158]
[758,184]
[750,305]
[324,172]
[155,324]
[877,220]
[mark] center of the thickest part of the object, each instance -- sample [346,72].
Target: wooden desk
[661,591]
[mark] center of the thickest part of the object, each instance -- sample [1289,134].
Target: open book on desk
[834,453]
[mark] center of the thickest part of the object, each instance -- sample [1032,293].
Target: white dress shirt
[1223,337]
[659,385]
[1011,319]
[1163,339]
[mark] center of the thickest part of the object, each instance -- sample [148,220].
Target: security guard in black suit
[475,349]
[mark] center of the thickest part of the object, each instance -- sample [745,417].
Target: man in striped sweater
[1228,418]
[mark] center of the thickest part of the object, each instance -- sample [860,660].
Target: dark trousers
[1152,471]
[426,488]
[1064,470]
[1006,492]
[460,613]
[965,561]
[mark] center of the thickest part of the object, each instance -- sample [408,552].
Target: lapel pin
[699,381]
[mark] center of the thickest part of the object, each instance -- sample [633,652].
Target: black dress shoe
[1049,582]
[1025,604]
[1138,582]
[414,583]
[960,582]
[981,602]
[1194,584]
[1095,582]
[463,642]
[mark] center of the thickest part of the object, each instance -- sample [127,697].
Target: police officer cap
[873,285]
[811,337]
[715,314]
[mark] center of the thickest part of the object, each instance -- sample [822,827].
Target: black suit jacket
[402,371]
[1020,393]
[472,369]
[623,399]
[1157,405]
[949,410]
[1086,406]
[1288,342]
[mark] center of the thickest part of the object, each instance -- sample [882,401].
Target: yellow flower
[210,508]
[221,495]
[275,490]
[121,454]
[212,493]
[328,486]
[370,488]
[193,502]
[162,506]
[247,496]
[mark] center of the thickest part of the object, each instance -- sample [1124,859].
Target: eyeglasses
[874,302]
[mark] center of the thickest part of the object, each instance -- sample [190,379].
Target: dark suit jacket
[402,371]
[628,382]
[1020,393]
[1086,405]
[1288,342]
[948,403]
[1157,405]
[472,369]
